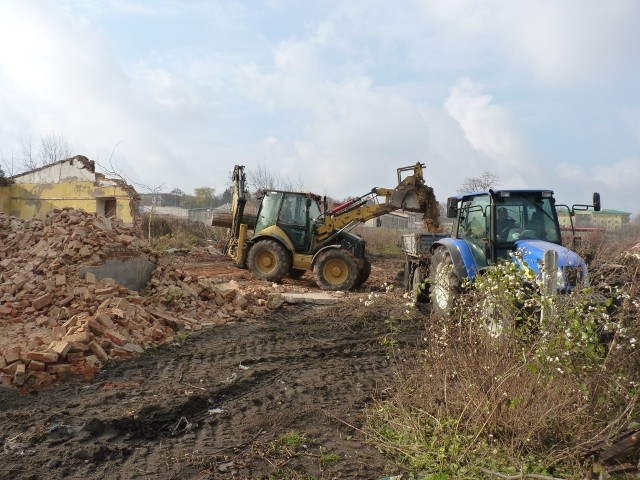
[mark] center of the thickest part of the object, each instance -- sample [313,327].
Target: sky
[332,95]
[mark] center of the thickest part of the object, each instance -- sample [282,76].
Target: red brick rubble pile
[54,324]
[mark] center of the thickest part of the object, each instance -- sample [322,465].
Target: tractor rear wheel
[445,285]
[418,288]
[336,269]
[269,260]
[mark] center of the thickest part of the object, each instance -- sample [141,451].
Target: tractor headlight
[561,285]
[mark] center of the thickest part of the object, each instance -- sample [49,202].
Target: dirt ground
[281,396]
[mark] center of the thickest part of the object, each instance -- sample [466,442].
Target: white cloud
[488,127]
[616,182]
[569,172]
[573,41]
[623,174]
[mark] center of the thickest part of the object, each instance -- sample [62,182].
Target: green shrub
[518,382]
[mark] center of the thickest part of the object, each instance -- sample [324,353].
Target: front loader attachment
[413,195]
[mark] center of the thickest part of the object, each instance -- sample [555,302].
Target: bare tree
[484,182]
[28,160]
[292,185]
[53,147]
[263,179]
[9,164]
[178,195]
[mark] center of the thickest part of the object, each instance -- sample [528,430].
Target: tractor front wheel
[336,269]
[269,260]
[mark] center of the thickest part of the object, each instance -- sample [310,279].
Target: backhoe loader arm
[411,195]
[237,234]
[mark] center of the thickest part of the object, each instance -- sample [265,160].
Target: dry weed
[536,395]
[172,232]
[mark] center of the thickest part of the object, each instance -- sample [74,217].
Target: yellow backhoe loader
[295,232]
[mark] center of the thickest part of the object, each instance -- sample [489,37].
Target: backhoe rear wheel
[269,260]
[445,285]
[336,269]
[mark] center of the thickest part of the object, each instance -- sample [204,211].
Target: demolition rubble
[61,319]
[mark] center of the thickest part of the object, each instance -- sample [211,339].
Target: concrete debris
[57,323]
[314,298]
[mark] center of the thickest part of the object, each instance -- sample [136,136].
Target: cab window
[268,210]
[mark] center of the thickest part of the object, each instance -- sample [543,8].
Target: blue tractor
[489,227]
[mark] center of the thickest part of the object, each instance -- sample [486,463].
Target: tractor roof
[506,193]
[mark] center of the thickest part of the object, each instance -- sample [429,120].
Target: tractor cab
[492,222]
[293,213]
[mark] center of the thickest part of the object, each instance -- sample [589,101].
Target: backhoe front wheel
[445,285]
[269,260]
[336,269]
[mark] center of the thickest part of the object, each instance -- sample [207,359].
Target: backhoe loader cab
[292,212]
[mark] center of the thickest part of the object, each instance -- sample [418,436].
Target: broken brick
[42,301]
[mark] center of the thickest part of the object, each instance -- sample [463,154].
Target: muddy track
[218,404]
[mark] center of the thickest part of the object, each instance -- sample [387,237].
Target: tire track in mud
[221,396]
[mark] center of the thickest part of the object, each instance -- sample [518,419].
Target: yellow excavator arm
[411,194]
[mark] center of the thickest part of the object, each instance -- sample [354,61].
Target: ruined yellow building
[68,183]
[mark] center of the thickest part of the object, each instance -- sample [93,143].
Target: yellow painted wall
[35,200]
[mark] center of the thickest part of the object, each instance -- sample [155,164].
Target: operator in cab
[504,222]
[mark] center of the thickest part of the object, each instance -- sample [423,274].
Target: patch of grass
[183,335]
[390,338]
[291,444]
[290,474]
[328,458]
[294,439]
[431,444]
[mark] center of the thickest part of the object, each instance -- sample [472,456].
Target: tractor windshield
[521,217]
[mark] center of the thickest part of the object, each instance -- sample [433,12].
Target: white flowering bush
[530,382]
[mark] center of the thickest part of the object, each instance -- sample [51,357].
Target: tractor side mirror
[452,207]
[596,202]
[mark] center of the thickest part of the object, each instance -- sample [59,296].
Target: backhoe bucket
[411,190]
[412,195]
[408,198]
